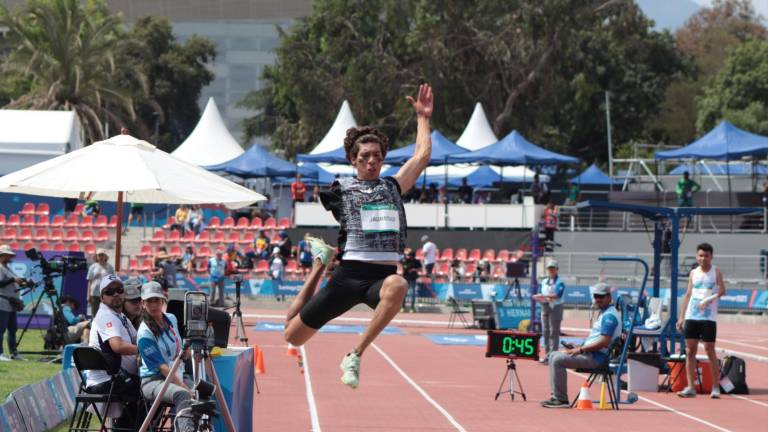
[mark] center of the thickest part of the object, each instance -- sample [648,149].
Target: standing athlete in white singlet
[705,287]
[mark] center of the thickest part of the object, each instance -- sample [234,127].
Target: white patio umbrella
[126,168]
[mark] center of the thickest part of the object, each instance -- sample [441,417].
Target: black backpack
[735,369]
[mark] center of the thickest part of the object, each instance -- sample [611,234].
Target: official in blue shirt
[77,326]
[160,344]
[551,299]
[592,354]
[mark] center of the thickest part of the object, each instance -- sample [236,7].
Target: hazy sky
[761,6]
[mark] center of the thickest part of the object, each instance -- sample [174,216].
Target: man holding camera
[114,335]
[9,301]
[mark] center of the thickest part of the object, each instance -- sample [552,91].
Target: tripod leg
[159,398]
[219,394]
[520,383]
[501,385]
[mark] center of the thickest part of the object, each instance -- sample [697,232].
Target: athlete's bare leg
[391,295]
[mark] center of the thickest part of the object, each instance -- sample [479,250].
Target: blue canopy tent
[312,174]
[740,169]
[442,147]
[482,176]
[594,176]
[724,142]
[337,156]
[255,162]
[513,149]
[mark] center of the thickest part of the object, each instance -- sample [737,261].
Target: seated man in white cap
[592,354]
[113,334]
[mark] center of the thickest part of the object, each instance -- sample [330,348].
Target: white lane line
[749,400]
[748,345]
[310,394]
[668,408]
[420,390]
[353,319]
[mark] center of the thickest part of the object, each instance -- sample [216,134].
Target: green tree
[740,91]
[66,49]
[175,72]
[541,67]
[707,38]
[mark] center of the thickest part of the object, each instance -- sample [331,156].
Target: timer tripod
[513,376]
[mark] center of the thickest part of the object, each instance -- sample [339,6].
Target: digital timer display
[511,344]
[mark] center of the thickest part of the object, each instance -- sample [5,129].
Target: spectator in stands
[465,192]
[115,337]
[315,197]
[539,190]
[277,270]
[551,299]
[268,207]
[217,269]
[432,193]
[132,306]
[261,245]
[430,256]
[482,271]
[592,354]
[685,190]
[188,260]
[91,208]
[298,194]
[77,325]
[137,210]
[195,221]
[233,260]
[571,192]
[705,288]
[9,286]
[411,269]
[305,254]
[167,266]
[481,197]
[160,343]
[442,195]
[549,221]
[180,218]
[458,271]
[285,245]
[765,193]
[96,272]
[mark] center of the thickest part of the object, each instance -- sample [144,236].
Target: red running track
[408,383]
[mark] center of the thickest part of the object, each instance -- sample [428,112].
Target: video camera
[59,265]
[196,315]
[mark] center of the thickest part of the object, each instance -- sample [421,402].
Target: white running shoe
[715,393]
[687,392]
[321,250]
[350,365]
[17,356]
[4,357]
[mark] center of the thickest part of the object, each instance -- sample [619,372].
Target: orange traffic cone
[292,351]
[260,368]
[585,400]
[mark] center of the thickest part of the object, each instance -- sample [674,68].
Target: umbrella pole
[445,185]
[119,232]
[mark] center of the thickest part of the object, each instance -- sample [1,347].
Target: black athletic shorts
[351,283]
[704,330]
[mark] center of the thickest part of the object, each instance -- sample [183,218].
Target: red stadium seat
[44,246]
[503,255]
[40,235]
[112,221]
[28,221]
[189,237]
[292,267]
[248,238]
[86,222]
[444,268]
[270,223]
[262,267]
[78,208]
[70,236]
[58,221]
[89,248]
[14,245]
[72,221]
[27,246]
[169,222]
[474,255]
[24,235]
[201,266]
[173,237]
[175,250]
[469,268]
[158,237]
[499,272]
[204,237]
[145,251]
[214,223]
[133,264]
[43,209]
[56,235]
[489,255]
[242,223]
[86,236]
[221,248]
[28,209]
[14,220]
[43,221]
[9,234]
[101,236]
[461,254]
[218,237]
[233,237]
[101,221]
[256,223]
[204,252]
[285,223]
[420,254]
[229,223]
[74,247]
[447,254]
[146,265]
[59,247]
[2,219]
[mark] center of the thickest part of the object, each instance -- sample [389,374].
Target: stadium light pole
[610,145]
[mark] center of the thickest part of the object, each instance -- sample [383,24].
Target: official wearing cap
[550,296]
[132,305]
[9,286]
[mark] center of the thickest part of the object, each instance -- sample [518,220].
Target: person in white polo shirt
[430,256]
[114,335]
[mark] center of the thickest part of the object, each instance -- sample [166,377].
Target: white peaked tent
[28,137]
[335,136]
[210,143]
[478,133]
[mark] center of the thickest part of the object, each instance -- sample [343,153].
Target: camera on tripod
[196,316]
[59,265]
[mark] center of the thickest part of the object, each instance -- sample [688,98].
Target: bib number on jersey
[376,218]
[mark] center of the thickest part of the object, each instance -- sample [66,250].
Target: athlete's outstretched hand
[423,103]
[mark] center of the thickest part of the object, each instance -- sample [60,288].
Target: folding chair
[88,403]
[456,313]
[605,372]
